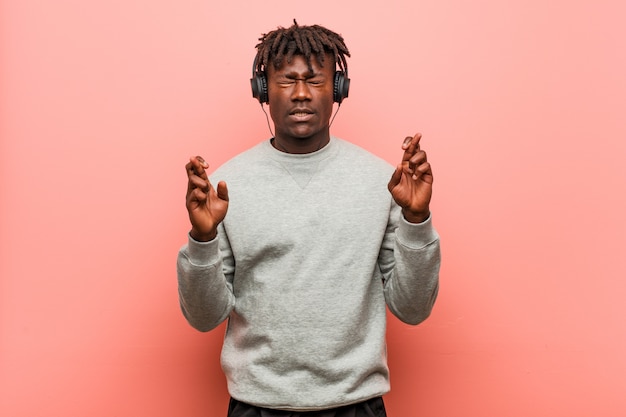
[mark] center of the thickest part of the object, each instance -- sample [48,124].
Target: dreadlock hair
[281,43]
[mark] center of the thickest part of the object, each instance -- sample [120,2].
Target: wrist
[202,237]
[418,217]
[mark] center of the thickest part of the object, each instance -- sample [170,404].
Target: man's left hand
[411,184]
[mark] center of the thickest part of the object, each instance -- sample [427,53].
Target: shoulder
[241,163]
[354,154]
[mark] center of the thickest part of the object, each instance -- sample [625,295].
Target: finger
[411,141]
[424,172]
[407,168]
[407,142]
[196,197]
[415,169]
[410,145]
[202,161]
[196,171]
[418,158]
[189,169]
[197,182]
[193,166]
[407,146]
[192,175]
[198,166]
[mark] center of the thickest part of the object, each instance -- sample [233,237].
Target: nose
[301,91]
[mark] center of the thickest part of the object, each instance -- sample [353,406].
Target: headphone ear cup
[259,87]
[341,87]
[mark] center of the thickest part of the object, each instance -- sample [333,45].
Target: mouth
[301,114]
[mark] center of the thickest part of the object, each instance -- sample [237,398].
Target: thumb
[222,191]
[395,178]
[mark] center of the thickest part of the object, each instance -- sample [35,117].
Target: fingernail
[407,140]
[201,160]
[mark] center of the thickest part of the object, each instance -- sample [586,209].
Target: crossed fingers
[414,161]
[196,172]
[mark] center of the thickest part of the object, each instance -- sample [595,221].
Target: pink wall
[522,107]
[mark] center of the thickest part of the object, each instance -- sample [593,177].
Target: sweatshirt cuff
[416,235]
[203,253]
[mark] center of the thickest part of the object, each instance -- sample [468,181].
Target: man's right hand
[206,206]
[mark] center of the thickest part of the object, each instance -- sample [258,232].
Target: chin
[302,134]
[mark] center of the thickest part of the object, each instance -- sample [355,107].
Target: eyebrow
[294,74]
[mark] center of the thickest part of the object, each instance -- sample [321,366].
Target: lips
[301,114]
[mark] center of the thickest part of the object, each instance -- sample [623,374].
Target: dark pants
[370,408]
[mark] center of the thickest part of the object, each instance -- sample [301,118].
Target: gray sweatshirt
[311,250]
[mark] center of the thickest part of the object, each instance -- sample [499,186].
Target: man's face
[301,100]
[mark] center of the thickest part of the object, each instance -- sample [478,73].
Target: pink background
[521,104]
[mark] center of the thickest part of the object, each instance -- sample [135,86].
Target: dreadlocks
[315,40]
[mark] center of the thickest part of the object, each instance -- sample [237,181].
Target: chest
[327,214]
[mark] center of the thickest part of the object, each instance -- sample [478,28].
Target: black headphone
[258,83]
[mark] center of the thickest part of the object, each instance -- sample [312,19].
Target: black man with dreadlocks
[307,244]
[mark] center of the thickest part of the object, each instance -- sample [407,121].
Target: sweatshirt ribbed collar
[313,157]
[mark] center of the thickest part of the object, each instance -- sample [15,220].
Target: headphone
[258,82]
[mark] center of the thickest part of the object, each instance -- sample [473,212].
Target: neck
[300,145]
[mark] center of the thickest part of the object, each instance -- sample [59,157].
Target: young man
[301,242]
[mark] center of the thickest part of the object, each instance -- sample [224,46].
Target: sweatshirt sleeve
[409,260]
[204,288]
